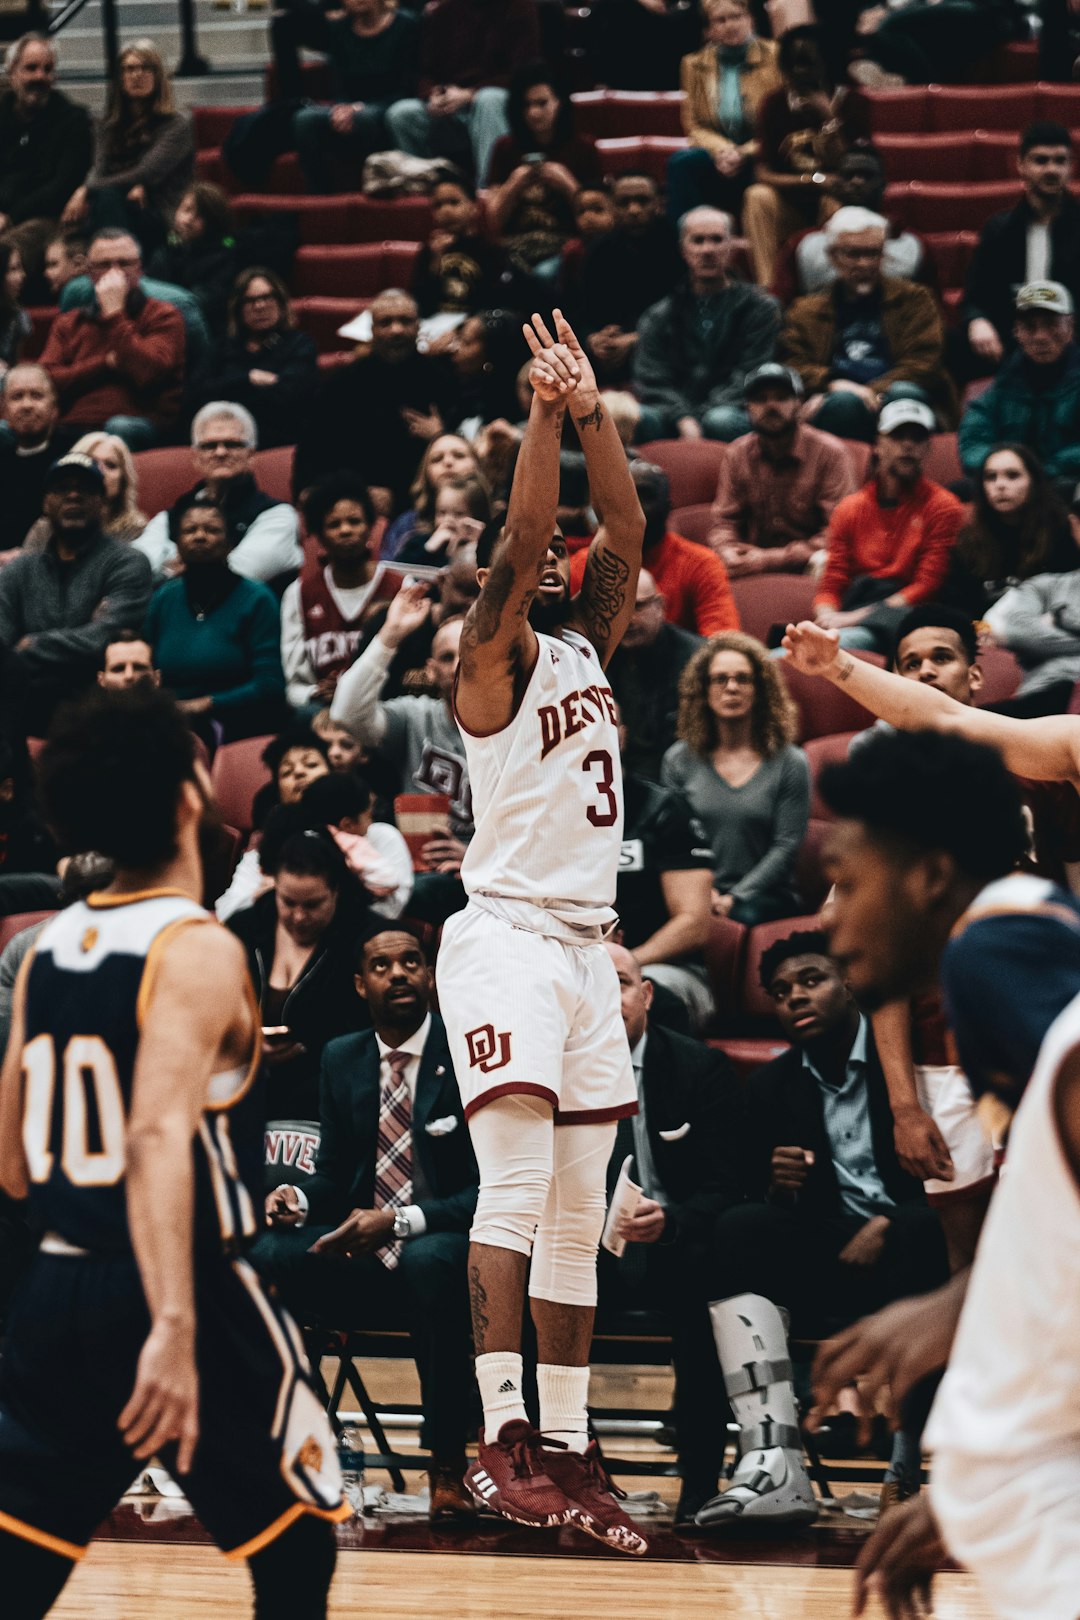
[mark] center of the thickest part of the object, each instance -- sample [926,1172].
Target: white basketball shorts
[946,1096]
[530,1014]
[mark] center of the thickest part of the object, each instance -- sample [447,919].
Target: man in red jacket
[118,365]
[889,543]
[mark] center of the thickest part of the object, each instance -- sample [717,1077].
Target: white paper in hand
[624,1201]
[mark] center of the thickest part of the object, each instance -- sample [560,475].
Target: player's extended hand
[164,1404]
[587,388]
[812,650]
[554,373]
[887,1353]
[920,1146]
[899,1560]
[362,1231]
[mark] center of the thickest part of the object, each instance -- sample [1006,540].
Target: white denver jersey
[547,791]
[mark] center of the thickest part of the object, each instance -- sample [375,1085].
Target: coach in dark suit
[685,1143]
[381,1227]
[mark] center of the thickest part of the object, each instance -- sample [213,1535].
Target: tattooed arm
[604,607]
[498,645]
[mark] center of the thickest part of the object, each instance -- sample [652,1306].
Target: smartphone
[275,1032]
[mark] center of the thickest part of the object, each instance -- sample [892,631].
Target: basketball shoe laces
[525,1453]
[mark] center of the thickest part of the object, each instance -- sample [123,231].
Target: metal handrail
[190,63]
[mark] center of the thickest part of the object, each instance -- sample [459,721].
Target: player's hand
[164,1405]
[812,650]
[283,1206]
[363,1231]
[554,373]
[864,1249]
[920,1146]
[408,610]
[790,1168]
[899,1560]
[885,1355]
[587,388]
[646,1224]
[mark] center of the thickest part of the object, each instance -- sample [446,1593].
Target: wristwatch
[402,1229]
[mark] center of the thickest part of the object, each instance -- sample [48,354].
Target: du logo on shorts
[488,1050]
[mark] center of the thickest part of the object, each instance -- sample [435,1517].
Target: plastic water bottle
[351,1456]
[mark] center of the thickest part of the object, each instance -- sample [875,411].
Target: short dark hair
[298,736]
[327,800]
[311,853]
[388,925]
[939,617]
[627,174]
[195,500]
[125,634]
[804,942]
[930,791]
[319,501]
[110,774]
[449,176]
[1044,132]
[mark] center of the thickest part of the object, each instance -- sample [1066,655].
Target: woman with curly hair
[1019,528]
[735,765]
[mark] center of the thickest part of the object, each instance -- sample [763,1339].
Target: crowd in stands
[201,489]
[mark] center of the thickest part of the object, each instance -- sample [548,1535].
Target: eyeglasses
[647,602]
[136,67]
[741,680]
[221,444]
[260,298]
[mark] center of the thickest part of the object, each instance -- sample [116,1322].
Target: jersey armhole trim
[256,1055]
[518,706]
[153,959]
[41,1538]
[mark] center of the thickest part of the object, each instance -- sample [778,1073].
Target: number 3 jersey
[547,792]
[90,978]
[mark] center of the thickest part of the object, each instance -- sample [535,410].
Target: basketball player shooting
[528,992]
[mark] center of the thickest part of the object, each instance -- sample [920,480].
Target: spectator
[684,1147]
[458,270]
[627,270]
[372,50]
[804,265]
[122,518]
[265,532]
[921,42]
[640,44]
[536,172]
[143,153]
[724,85]
[462,512]
[200,252]
[737,769]
[486,353]
[30,442]
[128,660]
[1039,621]
[59,607]
[340,1274]
[779,484]
[216,635]
[265,363]
[1019,528]
[804,130]
[696,346]
[469,51]
[300,942]
[15,323]
[594,217]
[377,414]
[118,365]
[45,140]
[446,458]
[1037,240]
[1035,397]
[868,338]
[325,613]
[295,758]
[833,1226]
[645,672]
[889,544]
[343,752]
[691,579]
[65,259]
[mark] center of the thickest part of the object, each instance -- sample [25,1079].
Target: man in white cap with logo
[889,543]
[1035,397]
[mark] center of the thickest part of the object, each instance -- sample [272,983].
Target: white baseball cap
[1046,297]
[901,412]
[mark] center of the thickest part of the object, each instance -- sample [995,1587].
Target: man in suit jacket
[361,1241]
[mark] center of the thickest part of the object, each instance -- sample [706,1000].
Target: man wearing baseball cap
[889,544]
[1035,397]
[779,484]
[59,607]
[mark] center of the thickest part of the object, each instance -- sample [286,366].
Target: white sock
[564,1397]
[499,1377]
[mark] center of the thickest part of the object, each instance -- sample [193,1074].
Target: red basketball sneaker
[591,1493]
[511,1477]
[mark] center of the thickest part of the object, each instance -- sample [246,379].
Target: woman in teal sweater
[217,636]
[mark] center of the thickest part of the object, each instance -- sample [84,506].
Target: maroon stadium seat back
[692,522]
[18,922]
[236,776]
[273,471]
[164,475]
[767,599]
[692,466]
[825,711]
[1001,676]
[754,1000]
[822,751]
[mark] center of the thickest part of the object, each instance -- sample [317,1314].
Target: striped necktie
[393,1160]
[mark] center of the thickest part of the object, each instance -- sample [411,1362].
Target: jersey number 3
[607,814]
[88,1065]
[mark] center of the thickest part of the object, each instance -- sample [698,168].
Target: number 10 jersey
[547,791]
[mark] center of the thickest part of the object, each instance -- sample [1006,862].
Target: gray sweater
[754,830]
[693,354]
[1042,627]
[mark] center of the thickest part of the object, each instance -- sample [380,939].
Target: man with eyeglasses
[868,338]
[223,442]
[118,364]
[45,148]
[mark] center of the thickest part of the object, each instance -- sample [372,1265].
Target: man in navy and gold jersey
[130,1124]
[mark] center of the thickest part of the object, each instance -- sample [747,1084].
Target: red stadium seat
[164,475]
[236,776]
[320,318]
[1001,676]
[952,252]
[1059,102]
[747,1053]
[993,154]
[899,112]
[754,1000]
[963,207]
[810,879]
[979,106]
[725,949]
[824,710]
[1015,63]
[18,921]
[692,466]
[353,271]
[344,217]
[211,166]
[927,157]
[273,471]
[210,125]
[859,455]
[943,461]
[693,522]
[606,114]
[822,751]
[767,599]
[646,154]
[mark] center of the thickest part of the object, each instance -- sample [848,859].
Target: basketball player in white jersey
[529,994]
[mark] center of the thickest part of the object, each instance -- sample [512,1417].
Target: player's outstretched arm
[498,645]
[14,1179]
[1046,750]
[606,602]
[186,1024]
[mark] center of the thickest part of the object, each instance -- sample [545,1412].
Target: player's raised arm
[186,1026]
[14,1179]
[1046,750]
[498,645]
[605,604]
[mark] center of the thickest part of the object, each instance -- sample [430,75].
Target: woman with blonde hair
[447,457]
[737,768]
[123,519]
[144,153]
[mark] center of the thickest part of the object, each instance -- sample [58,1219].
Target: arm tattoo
[486,613]
[603,591]
[478,1303]
[594,418]
[845,665]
